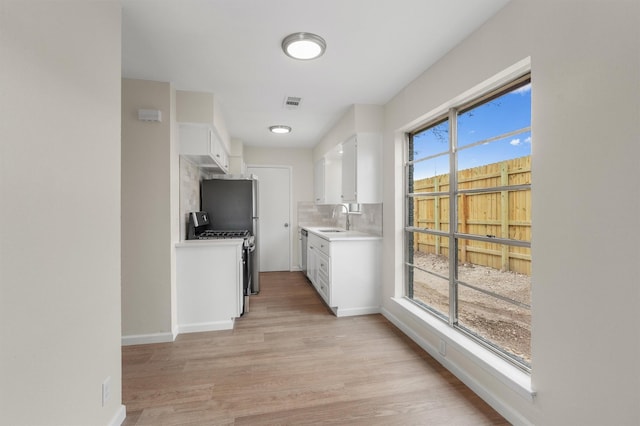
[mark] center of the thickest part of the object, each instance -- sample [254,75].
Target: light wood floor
[289,361]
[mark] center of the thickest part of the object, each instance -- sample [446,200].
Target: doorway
[274,210]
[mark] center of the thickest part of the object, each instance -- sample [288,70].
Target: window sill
[511,376]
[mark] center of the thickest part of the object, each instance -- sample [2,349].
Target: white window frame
[449,112]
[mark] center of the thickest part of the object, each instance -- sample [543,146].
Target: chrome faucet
[346,209]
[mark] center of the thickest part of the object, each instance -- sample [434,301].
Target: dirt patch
[506,324]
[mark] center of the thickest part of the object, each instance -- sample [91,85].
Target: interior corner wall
[60,212]
[149,212]
[340,132]
[357,118]
[175,218]
[369,118]
[585,60]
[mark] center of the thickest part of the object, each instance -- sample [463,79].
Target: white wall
[150,213]
[300,159]
[357,118]
[59,212]
[585,59]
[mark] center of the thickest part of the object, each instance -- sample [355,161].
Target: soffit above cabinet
[202,107]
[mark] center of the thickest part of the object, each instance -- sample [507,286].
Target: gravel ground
[503,323]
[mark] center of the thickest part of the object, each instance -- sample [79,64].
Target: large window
[468,221]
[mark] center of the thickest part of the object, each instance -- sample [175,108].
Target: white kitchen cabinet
[209,284]
[218,153]
[203,134]
[313,244]
[202,108]
[327,178]
[362,169]
[200,144]
[318,266]
[318,181]
[346,273]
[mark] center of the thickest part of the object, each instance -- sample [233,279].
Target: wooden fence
[504,214]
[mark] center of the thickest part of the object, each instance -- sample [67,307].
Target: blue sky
[507,113]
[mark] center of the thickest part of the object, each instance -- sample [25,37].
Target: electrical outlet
[106,390]
[443,347]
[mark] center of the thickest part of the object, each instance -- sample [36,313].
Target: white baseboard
[350,312]
[461,373]
[145,339]
[119,416]
[206,326]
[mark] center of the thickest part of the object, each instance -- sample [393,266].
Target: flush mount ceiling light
[280,129]
[303,46]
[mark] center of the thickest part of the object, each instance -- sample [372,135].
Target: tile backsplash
[368,220]
[190,177]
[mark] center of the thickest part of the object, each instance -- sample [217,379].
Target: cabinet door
[332,178]
[195,139]
[216,147]
[318,183]
[201,144]
[349,171]
[208,285]
[310,260]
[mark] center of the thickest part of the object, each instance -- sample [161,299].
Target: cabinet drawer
[323,264]
[318,243]
[323,287]
[323,246]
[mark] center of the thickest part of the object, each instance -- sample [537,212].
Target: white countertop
[321,231]
[217,242]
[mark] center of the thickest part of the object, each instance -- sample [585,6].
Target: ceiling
[232,49]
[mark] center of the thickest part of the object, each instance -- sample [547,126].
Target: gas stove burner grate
[213,234]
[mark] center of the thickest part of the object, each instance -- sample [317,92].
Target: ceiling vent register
[292,102]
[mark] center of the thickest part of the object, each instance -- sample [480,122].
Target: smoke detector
[292,102]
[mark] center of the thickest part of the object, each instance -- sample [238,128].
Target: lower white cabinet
[346,273]
[209,284]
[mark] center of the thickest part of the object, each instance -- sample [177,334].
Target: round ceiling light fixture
[280,129]
[303,46]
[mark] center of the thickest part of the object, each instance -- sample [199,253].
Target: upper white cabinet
[362,169]
[318,181]
[328,177]
[203,134]
[200,144]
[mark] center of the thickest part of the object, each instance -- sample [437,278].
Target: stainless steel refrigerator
[232,204]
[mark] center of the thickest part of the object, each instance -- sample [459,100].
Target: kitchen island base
[209,284]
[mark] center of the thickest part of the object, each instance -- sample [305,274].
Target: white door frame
[290,168]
